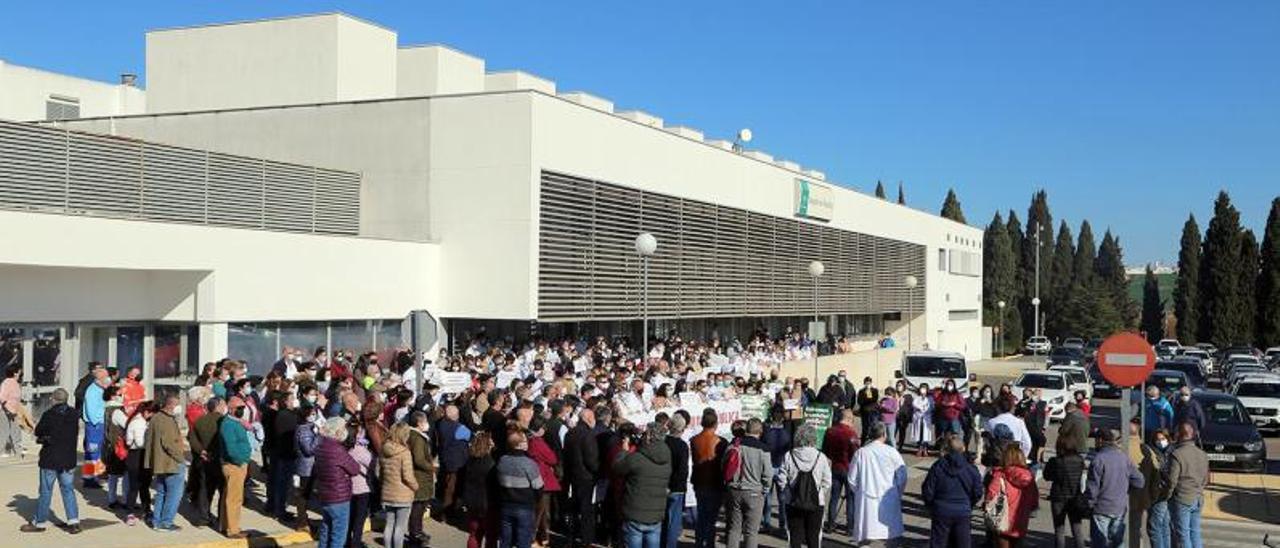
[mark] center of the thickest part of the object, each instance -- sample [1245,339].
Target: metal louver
[53,170]
[712,260]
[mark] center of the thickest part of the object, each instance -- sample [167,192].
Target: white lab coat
[877,476]
[921,428]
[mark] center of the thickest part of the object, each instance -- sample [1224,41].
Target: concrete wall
[70,268]
[24,91]
[879,364]
[295,60]
[437,70]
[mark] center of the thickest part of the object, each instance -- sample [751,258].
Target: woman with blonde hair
[398,484]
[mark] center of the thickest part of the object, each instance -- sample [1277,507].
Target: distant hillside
[1167,281]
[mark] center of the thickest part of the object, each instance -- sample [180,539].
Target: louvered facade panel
[712,260]
[52,170]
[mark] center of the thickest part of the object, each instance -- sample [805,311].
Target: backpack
[995,512]
[804,492]
[732,462]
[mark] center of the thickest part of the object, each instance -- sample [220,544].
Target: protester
[540,451]
[1013,482]
[678,484]
[840,444]
[358,447]
[777,439]
[284,458]
[424,471]
[1111,477]
[1081,400]
[1159,414]
[920,432]
[519,485]
[708,449]
[306,423]
[139,484]
[166,457]
[1074,428]
[399,484]
[1015,425]
[950,490]
[1150,459]
[1035,414]
[450,441]
[877,476]
[1184,478]
[748,485]
[94,416]
[115,450]
[206,464]
[806,475]
[478,492]
[868,406]
[235,452]
[646,469]
[1066,499]
[1186,410]
[951,407]
[56,433]
[888,408]
[333,471]
[12,413]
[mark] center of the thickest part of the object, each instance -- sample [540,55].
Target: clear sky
[1132,114]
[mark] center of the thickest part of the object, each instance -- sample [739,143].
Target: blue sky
[1132,114]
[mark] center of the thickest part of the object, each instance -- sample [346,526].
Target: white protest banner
[791,404]
[454,382]
[504,379]
[690,400]
[581,365]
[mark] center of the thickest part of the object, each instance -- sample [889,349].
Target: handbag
[995,512]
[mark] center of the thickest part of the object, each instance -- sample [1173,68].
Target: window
[306,337]
[255,344]
[168,351]
[61,108]
[942,260]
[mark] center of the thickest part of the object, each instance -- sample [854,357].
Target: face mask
[1186,397]
[1162,443]
[921,391]
[246,390]
[311,399]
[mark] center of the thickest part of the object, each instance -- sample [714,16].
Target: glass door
[38,350]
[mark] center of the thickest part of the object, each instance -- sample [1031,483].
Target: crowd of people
[542,441]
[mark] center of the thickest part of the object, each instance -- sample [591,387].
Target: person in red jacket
[839,445]
[1018,484]
[540,451]
[132,389]
[1082,402]
[950,407]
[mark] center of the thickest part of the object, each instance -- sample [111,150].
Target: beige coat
[164,449]
[398,482]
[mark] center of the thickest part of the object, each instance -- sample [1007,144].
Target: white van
[934,368]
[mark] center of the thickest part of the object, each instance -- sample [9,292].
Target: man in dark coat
[56,433]
[1074,429]
[450,440]
[868,406]
[950,491]
[581,469]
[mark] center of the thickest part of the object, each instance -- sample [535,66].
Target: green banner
[755,406]
[818,415]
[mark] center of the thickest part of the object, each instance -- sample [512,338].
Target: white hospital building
[309,180]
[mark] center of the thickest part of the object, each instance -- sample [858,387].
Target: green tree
[1248,284]
[1060,324]
[1152,307]
[880,191]
[1219,315]
[1186,290]
[1112,282]
[1086,254]
[902,198]
[1269,281]
[1038,218]
[999,281]
[951,207]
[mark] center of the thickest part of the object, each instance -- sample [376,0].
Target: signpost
[1125,360]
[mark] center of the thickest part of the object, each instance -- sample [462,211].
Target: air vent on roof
[758,156]
[686,132]
[787,164]
[513,80]
[642,117]
[721,143]
[816,174]
[588,100]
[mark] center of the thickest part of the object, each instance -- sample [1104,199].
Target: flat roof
[273,19]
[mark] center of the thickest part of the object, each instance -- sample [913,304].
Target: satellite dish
[744,135]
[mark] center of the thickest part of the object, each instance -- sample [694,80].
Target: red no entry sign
[1126,359]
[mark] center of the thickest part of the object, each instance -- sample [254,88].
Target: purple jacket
[332,472]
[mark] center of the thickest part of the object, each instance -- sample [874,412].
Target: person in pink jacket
[541,453]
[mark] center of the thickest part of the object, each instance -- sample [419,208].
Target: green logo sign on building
[813,201]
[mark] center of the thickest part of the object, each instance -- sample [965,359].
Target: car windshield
[1258,390]
[1065,352]
[1166,382]
[1052,382]
[1077,377]
[1192,370]
[935,366]
[1225,412]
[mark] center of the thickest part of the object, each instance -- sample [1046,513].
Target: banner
[756,407]
[504,379]
[454,382]
[726,413]
[818,415]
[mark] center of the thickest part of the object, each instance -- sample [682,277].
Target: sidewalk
[19,489]
[1243,497]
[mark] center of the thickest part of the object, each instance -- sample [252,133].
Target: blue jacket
[451,442]
[235,441]
[307,439]
[95,409]
[1159,414]
[778,441]
[1189,411]
[952,487]
[1111,476]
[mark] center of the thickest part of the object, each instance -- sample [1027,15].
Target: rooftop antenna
[744,137]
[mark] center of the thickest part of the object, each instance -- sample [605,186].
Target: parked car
[1243,373]
[1057,391]
[1166,348]
[1206,360]
[1261,398]
[1077,377]
[1091,349]
[1039,345]
[1230,438]
[1229,352]
[1208,347]
[1238,362]
[1065,355]
[1102,388]
[1189,367]
[1272,357]
[1169,381]
[1073,342]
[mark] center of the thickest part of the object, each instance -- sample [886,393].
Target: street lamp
[816,268]
[646,245]
[1000,305]
[910,282]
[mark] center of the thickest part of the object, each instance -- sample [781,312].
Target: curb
[283,538]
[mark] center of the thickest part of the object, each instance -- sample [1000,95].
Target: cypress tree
[1268,327]
[951,207]
[1248,285]
[1037,216]
[1060,324]
[1086,254]
[902,198]
[1112,282]
[1152,307]
[880,191]
[999,281]
[1219,316]
[1186,290]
